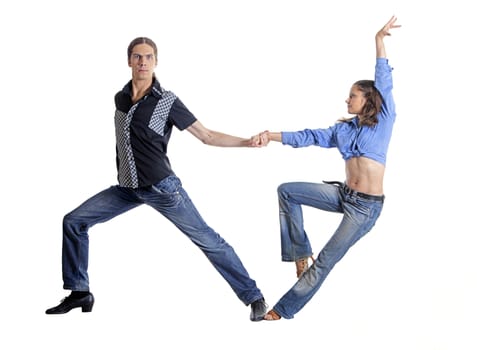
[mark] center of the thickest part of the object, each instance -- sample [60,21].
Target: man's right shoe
[259,309]
[69,303]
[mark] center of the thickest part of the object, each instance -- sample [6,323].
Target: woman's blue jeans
[171,200]
[359,216]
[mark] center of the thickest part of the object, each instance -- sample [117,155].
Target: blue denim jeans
[359,216]
[170,199]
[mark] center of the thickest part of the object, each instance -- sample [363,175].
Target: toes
[271,316]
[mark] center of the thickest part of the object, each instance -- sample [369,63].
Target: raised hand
[384,31]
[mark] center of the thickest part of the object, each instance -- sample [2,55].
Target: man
[144,118]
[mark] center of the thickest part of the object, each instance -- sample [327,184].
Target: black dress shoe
[69,303]
[259,309]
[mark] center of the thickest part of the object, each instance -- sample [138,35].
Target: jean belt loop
[349,190]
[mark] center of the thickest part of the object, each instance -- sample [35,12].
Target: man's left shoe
[70,302]
[259,309]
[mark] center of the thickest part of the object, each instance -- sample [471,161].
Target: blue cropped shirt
[349,138]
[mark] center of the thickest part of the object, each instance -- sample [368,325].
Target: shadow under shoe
[302,265]
[70,302]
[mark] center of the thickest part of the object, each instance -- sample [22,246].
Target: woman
[363,142]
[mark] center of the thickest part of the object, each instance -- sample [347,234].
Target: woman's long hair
[372,106]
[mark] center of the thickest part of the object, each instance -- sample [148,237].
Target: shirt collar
[355,121]
[156,89]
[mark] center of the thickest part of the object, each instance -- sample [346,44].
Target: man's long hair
[142,40]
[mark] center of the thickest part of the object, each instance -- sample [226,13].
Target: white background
[241,67]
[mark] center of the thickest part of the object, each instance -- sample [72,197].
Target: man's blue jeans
[171,200]
[359,216]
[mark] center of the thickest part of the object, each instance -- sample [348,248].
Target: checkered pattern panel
[127,174]
[161,112]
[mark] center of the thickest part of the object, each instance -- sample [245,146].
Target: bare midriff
[365,175]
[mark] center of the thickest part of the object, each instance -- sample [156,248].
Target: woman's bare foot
[302,266]
[272,316]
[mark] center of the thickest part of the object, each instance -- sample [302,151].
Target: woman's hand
[384,31]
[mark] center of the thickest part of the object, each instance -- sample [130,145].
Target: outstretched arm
[383,32]
[215,138]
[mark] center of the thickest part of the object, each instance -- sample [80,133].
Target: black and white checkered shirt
[143,130]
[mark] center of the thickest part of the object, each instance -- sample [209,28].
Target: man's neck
[140,88]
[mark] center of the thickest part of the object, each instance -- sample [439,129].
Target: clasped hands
[260,140]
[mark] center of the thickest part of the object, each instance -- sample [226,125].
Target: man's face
[142,62]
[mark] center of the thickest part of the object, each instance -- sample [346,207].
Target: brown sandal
[302,266]
[272,316]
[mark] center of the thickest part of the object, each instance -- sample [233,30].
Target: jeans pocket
[359,206]
[166,194]
[169,185]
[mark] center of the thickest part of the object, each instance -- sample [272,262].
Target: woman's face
[355,101]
